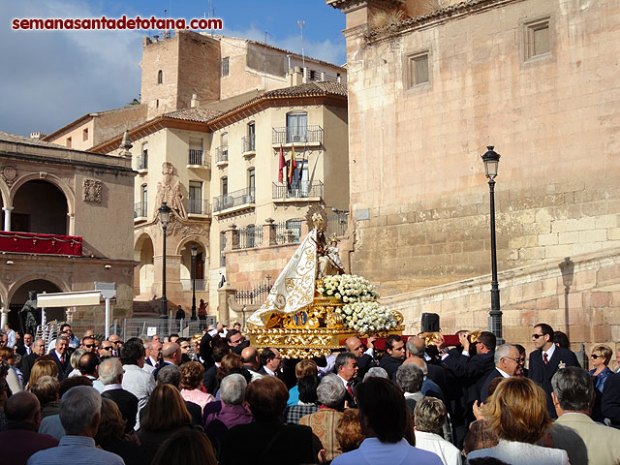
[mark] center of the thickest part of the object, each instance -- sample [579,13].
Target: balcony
[196,159]
[198,207]
[140,212]
[235,201]
[310,136]
[249,146]
[143,163]
[38,243]
[303,190]
[221,156]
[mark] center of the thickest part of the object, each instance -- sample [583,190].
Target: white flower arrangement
[360,311]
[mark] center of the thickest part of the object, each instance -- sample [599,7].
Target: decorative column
[269,232]
[5,317]
[232,238]
[7,218]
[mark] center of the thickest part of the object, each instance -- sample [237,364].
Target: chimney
[295,76]
[195,102]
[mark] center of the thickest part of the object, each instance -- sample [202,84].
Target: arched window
[160,77]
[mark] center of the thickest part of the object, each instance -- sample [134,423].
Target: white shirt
[549,352]
[447,452]
[140,384]
[503,373]
[521,453]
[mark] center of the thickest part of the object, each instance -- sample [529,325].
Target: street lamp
[164,217]
[194,251]
[491,162]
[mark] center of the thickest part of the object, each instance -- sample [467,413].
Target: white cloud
[326,50]
[52,77]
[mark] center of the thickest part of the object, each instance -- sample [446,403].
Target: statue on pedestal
[29,321]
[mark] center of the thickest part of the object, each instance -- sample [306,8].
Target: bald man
[171,354]
[21,439]
[365,356]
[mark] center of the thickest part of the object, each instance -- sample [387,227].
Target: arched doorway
[20,297]
[145,270]
[186,265]
[40,207]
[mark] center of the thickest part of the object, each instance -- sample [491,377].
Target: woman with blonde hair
[517,413]
[599,360]
[164,414]
[42,367]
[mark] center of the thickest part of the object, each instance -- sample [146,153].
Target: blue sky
[50,78]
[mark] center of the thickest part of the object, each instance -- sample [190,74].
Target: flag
[292,166]
[301,166]
[281,165]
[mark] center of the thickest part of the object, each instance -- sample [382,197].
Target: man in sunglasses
[546,360]
[89,344]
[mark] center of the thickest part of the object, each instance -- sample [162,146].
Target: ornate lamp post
[491,162]
[194,251]
[164,217]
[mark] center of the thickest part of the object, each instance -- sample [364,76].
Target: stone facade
[45,189]
[530,78]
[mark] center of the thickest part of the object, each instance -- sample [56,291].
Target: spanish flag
[292,165]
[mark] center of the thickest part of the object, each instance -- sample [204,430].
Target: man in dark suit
[506,365]
[346,369]
[171,355]
[394,355]
[365,356]
[472,368]
[60,355]
[38,350]
[610,404]
[546,360]
[271,361]
[25,348]
[111,375]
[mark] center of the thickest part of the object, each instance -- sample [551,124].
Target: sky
[50,78]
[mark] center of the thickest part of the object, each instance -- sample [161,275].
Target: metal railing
[140,210]
[287,233]
[221,154]
[201,284]
[250,237]
[143,161]
[198,206]
[255,296]
[234,199]
[297,135]
[248,143]
[196,157]
[298,190]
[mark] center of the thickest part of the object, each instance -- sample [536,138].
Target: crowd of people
[218,399]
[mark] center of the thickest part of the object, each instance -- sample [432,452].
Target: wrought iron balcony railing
[234,199]
[196,157]
[248,143]
[140,210]
[298,135]
[298,190]
[221,154]
[198,206]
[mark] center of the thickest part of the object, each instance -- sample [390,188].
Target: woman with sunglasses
[599,361]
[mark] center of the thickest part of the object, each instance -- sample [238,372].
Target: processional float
[314,306]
